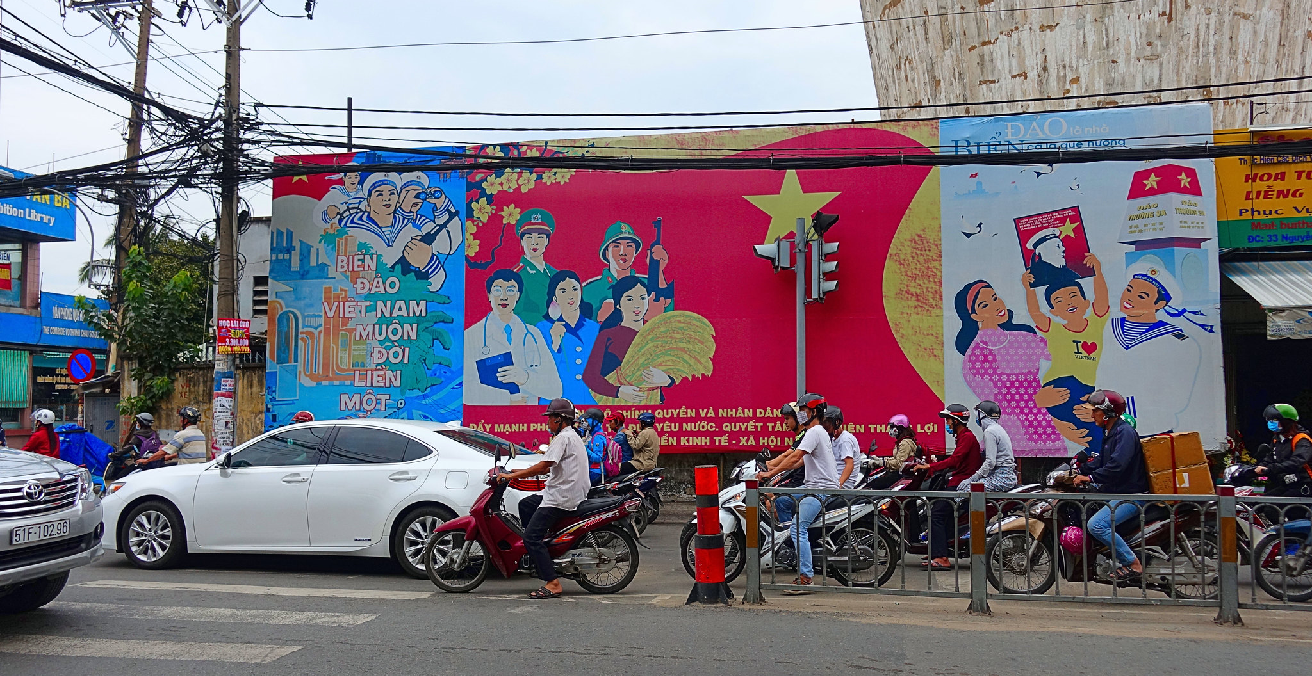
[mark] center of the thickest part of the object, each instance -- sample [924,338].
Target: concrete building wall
[943,51]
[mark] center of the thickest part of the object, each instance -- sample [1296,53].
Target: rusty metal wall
[943,51]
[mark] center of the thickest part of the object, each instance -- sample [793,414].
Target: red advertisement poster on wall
[635,292]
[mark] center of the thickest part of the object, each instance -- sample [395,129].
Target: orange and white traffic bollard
[708,543]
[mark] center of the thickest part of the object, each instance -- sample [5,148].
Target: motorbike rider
[596,441]
[43,440]
[646,446]
[566,467]
[144,440]
[815,454]
[615,423]
[783,504]
[1284,462]
[965,460]
[904,453]
[845,446]
[1118,468]
[187,446]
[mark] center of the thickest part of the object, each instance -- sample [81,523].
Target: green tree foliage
[161,320]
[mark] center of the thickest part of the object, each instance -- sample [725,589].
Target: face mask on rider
[892,431]
[1273,425]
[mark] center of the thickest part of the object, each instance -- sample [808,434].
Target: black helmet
[789,410]
[594,414]
[810,406]
[1280,412]
[955,412]
[834,415]
[562,408]
[989,409]
[647,418]
[189,414]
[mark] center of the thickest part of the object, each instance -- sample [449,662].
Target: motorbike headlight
[737,497]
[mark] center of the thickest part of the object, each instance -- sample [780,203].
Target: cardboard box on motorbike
[1177,464]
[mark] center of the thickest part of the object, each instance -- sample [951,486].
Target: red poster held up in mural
[1053,245]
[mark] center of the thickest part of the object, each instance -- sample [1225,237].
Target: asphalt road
[333,615]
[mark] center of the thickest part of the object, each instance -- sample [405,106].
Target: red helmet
[302,416]
[1108,401]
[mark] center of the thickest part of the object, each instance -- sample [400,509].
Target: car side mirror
[225,460]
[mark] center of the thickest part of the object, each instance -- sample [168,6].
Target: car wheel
[411,536]
[32,595]
[153,536]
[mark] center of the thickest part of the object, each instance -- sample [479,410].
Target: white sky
[815,68]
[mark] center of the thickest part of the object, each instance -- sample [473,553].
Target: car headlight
[84,484]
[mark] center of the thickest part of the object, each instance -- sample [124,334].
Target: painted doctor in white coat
[506,360]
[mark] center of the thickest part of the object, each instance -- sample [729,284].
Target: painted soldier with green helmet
[534,229]
[619,249]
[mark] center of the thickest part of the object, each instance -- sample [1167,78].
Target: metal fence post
[753,535]
[1229,567]
[979,590]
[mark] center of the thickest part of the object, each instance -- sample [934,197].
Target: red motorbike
[596,546]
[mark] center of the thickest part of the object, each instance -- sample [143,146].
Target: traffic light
[822,268]
[780,254]
[822,222]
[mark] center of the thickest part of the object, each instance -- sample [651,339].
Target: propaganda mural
[481,295]
[365,293]
[1061,279]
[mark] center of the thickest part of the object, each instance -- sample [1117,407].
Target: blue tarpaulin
[80,447]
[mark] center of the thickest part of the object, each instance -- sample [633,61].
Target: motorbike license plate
[39,531]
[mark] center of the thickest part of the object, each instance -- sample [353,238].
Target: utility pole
[225,372]
[800,240]
[129,200]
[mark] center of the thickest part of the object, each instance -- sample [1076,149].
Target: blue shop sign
[60,325]
[49,217]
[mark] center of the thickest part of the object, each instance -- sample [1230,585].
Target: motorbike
[644,485]
[121,463]
[1283,559]
[843,538]
[596,546]
[910,516]
[1030,547]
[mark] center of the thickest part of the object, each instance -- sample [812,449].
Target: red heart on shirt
[1089,348]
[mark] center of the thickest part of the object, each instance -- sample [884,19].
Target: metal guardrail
[1190,546]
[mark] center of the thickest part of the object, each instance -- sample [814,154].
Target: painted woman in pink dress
[1002,363]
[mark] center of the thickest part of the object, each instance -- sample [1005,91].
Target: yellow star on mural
[1184,180]
[302,177]
[1068,230]
[1150,183]
[789,205]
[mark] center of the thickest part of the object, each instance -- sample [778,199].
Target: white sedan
[354,487]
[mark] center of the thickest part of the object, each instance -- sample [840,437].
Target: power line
[80,98]
[706,31]
[804,111]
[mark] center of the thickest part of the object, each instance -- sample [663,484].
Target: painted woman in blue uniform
[570,334]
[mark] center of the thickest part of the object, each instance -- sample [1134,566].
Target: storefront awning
[1283,289]
[1276,285]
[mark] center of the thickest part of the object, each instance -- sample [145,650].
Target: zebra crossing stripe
[76,646]
[195,614]
[389,594]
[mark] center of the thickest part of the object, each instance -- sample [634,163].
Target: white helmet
[43,416]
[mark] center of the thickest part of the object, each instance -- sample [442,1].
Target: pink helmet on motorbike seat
[1072,539]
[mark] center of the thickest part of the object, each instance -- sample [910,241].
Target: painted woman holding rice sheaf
[618,331]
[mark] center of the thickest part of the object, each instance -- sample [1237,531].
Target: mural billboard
[1059,279]
[366,290]
[641,291]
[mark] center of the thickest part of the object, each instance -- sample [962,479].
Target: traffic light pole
[799,240]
